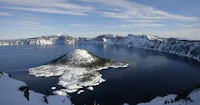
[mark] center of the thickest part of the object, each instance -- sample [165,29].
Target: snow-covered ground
[192,99]
[10,94]
[77,69]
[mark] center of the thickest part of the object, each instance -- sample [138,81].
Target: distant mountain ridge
[188,48]
[43,40]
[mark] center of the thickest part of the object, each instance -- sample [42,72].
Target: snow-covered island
[14,92]
[78,69]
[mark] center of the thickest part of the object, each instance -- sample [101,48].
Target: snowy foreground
[78,69]
[192,99]
[10,94]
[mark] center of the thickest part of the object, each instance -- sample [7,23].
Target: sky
[90,18]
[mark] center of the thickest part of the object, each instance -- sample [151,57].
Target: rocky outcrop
[25,89]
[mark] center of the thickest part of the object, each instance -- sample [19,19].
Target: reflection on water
[149,74]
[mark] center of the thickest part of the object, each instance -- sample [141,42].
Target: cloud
[135,14]
[188,25]
[153,25]
[5,14]
[119,9]
[31,25]
[124,9]
[188,33]
[22,22]
[46,10]
[81,25]
[47,6]
[123,15]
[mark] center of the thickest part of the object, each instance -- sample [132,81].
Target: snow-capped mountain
[170,45]
[49,40]
[101,39]
[186,48]
[43,40]
[106,39]
[78,69]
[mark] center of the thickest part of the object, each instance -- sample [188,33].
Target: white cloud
[123,9]
[188,25]
[134,26]
[31,25]
[120,9]
[46,10]
[81,25]
[47,6]
[22,22]
[5,14]
[134,16]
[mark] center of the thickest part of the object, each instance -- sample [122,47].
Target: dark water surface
[149,74]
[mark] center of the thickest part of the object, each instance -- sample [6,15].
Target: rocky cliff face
[170,45]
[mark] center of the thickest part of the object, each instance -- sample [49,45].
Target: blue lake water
[149,74]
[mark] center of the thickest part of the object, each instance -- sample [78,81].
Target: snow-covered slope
[44,40]
[102,39]
[78,69]
[186,48]
[192,99]
[10,94]
[49,40]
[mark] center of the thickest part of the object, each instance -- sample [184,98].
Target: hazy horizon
[92,36]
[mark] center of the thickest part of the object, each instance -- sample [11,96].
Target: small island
[77,69]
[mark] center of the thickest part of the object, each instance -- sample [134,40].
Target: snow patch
[169,100]
[53,88]
[80,91]
[90,88]
[58,92]
[11,95]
